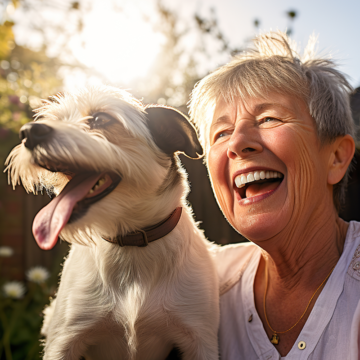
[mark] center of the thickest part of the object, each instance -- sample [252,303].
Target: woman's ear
[343,150]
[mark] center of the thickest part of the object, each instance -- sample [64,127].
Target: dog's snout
[34,134]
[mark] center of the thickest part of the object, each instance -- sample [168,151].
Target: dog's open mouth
[79,193]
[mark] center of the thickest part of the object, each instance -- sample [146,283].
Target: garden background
[156,49]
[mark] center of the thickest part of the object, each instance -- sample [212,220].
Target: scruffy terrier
[139,279]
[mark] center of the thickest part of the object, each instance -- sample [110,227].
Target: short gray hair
[275,65]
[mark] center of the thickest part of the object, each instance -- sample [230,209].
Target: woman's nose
[245,140]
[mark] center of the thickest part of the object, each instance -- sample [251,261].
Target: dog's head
[109,162]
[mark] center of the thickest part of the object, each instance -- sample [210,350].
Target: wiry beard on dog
[111,165]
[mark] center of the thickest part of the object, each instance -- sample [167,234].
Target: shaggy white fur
[119,302]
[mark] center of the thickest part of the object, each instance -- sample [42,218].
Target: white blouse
[330,333]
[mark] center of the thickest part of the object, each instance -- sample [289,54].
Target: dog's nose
[34,134]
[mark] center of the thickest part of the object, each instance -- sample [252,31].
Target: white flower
[37,274]
[14,289]
[6,251]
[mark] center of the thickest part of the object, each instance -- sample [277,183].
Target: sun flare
[122,46]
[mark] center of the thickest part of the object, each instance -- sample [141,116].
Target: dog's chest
[145,307]
[145,323]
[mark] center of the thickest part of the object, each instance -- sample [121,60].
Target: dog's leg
[79,310]
[48,314]
[65,346]
[57,351]
[195,327]
[175,354]
[199,349]
[195,344]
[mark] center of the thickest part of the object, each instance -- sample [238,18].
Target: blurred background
[156,49]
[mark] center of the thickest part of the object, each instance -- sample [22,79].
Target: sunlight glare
[119,45]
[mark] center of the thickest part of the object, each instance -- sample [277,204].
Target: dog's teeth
[101,181]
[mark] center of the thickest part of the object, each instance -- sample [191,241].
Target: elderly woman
[278,135]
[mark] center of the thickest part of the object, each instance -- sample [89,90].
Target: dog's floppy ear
[172,131]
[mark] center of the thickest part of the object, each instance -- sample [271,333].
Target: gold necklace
[275,337]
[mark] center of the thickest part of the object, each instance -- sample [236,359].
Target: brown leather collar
[143,237]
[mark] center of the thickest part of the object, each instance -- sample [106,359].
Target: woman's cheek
[219,174]
[217,163]
[304,178]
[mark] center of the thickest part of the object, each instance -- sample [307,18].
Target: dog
[139,279]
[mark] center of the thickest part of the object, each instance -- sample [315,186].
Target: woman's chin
[263,225]
[259,235]
[263,218]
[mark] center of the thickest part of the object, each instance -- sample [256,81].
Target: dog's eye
[100,120]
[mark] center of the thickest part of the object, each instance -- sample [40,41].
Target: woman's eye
[221,135]
[268,119]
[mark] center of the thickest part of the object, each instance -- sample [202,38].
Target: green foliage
[20,322]
[291,14]
[176,69]
[6,39]
[26,76]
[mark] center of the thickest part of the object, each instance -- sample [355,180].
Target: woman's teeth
[97,185]
[243,179]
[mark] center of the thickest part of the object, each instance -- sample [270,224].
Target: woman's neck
[296,267]
[304,255]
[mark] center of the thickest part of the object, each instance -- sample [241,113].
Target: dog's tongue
[50,220]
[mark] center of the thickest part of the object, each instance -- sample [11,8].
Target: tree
[28,75]
[176,69]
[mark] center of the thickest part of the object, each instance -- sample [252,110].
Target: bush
[21,309]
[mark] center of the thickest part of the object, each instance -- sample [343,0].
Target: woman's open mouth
[257,185]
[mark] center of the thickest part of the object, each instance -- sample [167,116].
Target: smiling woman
[278,135]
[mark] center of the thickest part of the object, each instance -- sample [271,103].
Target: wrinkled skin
[297,225]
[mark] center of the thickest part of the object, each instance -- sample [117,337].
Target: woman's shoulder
[231,262]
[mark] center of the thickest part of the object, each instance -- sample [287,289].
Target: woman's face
[272,143]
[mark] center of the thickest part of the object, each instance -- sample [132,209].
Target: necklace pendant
[275,339]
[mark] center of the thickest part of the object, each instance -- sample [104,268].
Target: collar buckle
[144,237]
[119,241]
